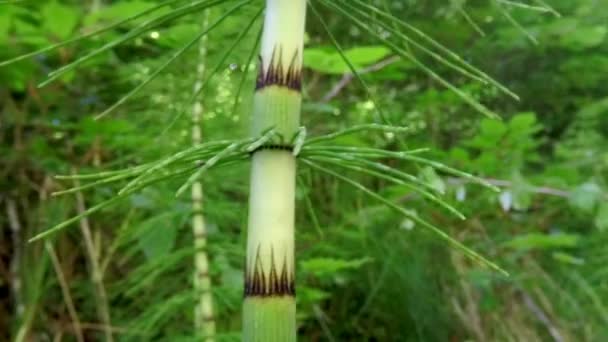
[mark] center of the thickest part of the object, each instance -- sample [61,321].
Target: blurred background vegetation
[364,273]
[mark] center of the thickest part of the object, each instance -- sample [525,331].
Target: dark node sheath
[277,75]
[259,283]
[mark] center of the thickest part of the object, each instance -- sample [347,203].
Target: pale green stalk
[204,320]
[269,308]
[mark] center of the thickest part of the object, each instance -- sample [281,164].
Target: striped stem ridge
[269,310]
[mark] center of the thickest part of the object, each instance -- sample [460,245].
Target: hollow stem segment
[277,100]
[269,312]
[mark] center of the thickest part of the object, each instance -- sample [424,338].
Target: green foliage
[541,241]
[59,29]
[323,267]
[328,61]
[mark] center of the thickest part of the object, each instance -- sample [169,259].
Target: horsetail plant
[204,321]
[278,141]
[269,309]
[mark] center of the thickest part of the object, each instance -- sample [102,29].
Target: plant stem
[93,249]
[15,272]
[93,254]
[65,290]
[269,308]
[203,311]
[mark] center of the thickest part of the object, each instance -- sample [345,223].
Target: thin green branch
[135,32]
[227,53]
[88,35]
[363,167]
[350,65]
[433,43]
[444,236]
[401,52]
[514,22]
[169,61]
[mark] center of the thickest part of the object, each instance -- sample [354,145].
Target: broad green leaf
[491,133]
[121,10]
[366,55]
[567,258]
[178,34]
[327,60]
[323,61]
[524,122]
[493,128]
[585,37]
[29,33]
[5,24]
[17,76]
[543,241]
[330,266]
[59,20]
[308,295]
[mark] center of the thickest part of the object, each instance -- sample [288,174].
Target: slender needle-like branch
[96,275]
[65,290]
[348,78]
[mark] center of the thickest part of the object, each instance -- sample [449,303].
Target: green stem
[203,311]
[269,311]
